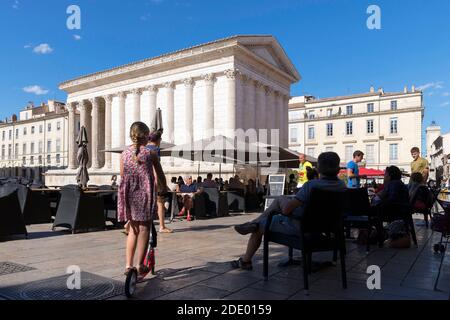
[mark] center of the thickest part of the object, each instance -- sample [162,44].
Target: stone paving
[194,263]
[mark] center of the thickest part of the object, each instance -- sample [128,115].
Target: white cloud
[27,46]
[16,4]
[446,94]
[37,90]
[431,85]
[445,104]
[145,17]
[77,37]
[43,48]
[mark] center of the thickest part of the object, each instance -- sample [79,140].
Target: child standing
[137,194]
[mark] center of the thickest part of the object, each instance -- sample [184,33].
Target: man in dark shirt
[189,190]
[289,209]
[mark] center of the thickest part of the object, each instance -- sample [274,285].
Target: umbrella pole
[220,170]
[198,171]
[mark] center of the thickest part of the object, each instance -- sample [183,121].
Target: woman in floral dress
[137,194]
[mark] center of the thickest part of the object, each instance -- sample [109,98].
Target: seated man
[287,221]
[209,182]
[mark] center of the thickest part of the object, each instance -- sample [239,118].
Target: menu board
[276,188]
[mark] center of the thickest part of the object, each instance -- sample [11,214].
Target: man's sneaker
[246,228]
[240,264]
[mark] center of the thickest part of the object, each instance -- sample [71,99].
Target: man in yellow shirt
[419,164]
[302,178]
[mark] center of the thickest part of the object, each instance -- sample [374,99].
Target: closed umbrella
[83,158]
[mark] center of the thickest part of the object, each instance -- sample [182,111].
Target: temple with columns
[240,82]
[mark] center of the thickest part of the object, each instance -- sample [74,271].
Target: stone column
[72,139]
[231,99]
[152,90]
[251,102]
[277,115]
[243,102]
[136,104]
[269,112]
[108,130]
[95,133]
[189,110]
[285,113]
[170,111]
[122,100]
[209,105]
[260,106]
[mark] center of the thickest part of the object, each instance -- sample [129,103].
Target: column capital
[83,104]
[189,82]
[244,78]
[231,73]
[258,84]
[169,85]
[152,88]
[71,106]
[209,78]
[136,91]
[277,93]
[94,102]
[268,90]
[108,98]
[122,94]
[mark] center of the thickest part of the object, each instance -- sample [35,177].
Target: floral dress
[137,190]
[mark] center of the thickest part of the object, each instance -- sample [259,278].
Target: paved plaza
[194,263]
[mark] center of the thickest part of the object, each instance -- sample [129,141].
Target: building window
[41,147]
[32,148]
[10,134]
[49,127]
[41,128]
[349,110]
[348,153]
[329,149]
[329,129]
[370,153]
[369,126]
[58,159]
[294,137]
[370,107]
[25,131]
[17,133]
[311,152]
[32,130]
[40,160]
[58,145]
[3,152]
[58,126]
[394,126]
[49,160]
[311,132]
[349,128]
[24,161]
[24,149]
[16,150]
[9,151]
[49,146]
[32,160]
[394,105]
[393,152]
[329,112]
[3,135]
[311,115]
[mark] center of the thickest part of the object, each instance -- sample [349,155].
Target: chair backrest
[356,202]
[323,212]
[424,195]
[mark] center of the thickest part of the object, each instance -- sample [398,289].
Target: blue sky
[327,40]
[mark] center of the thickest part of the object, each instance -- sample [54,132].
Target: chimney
[381,90]
[413,88]
[405,90]
[372,89]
